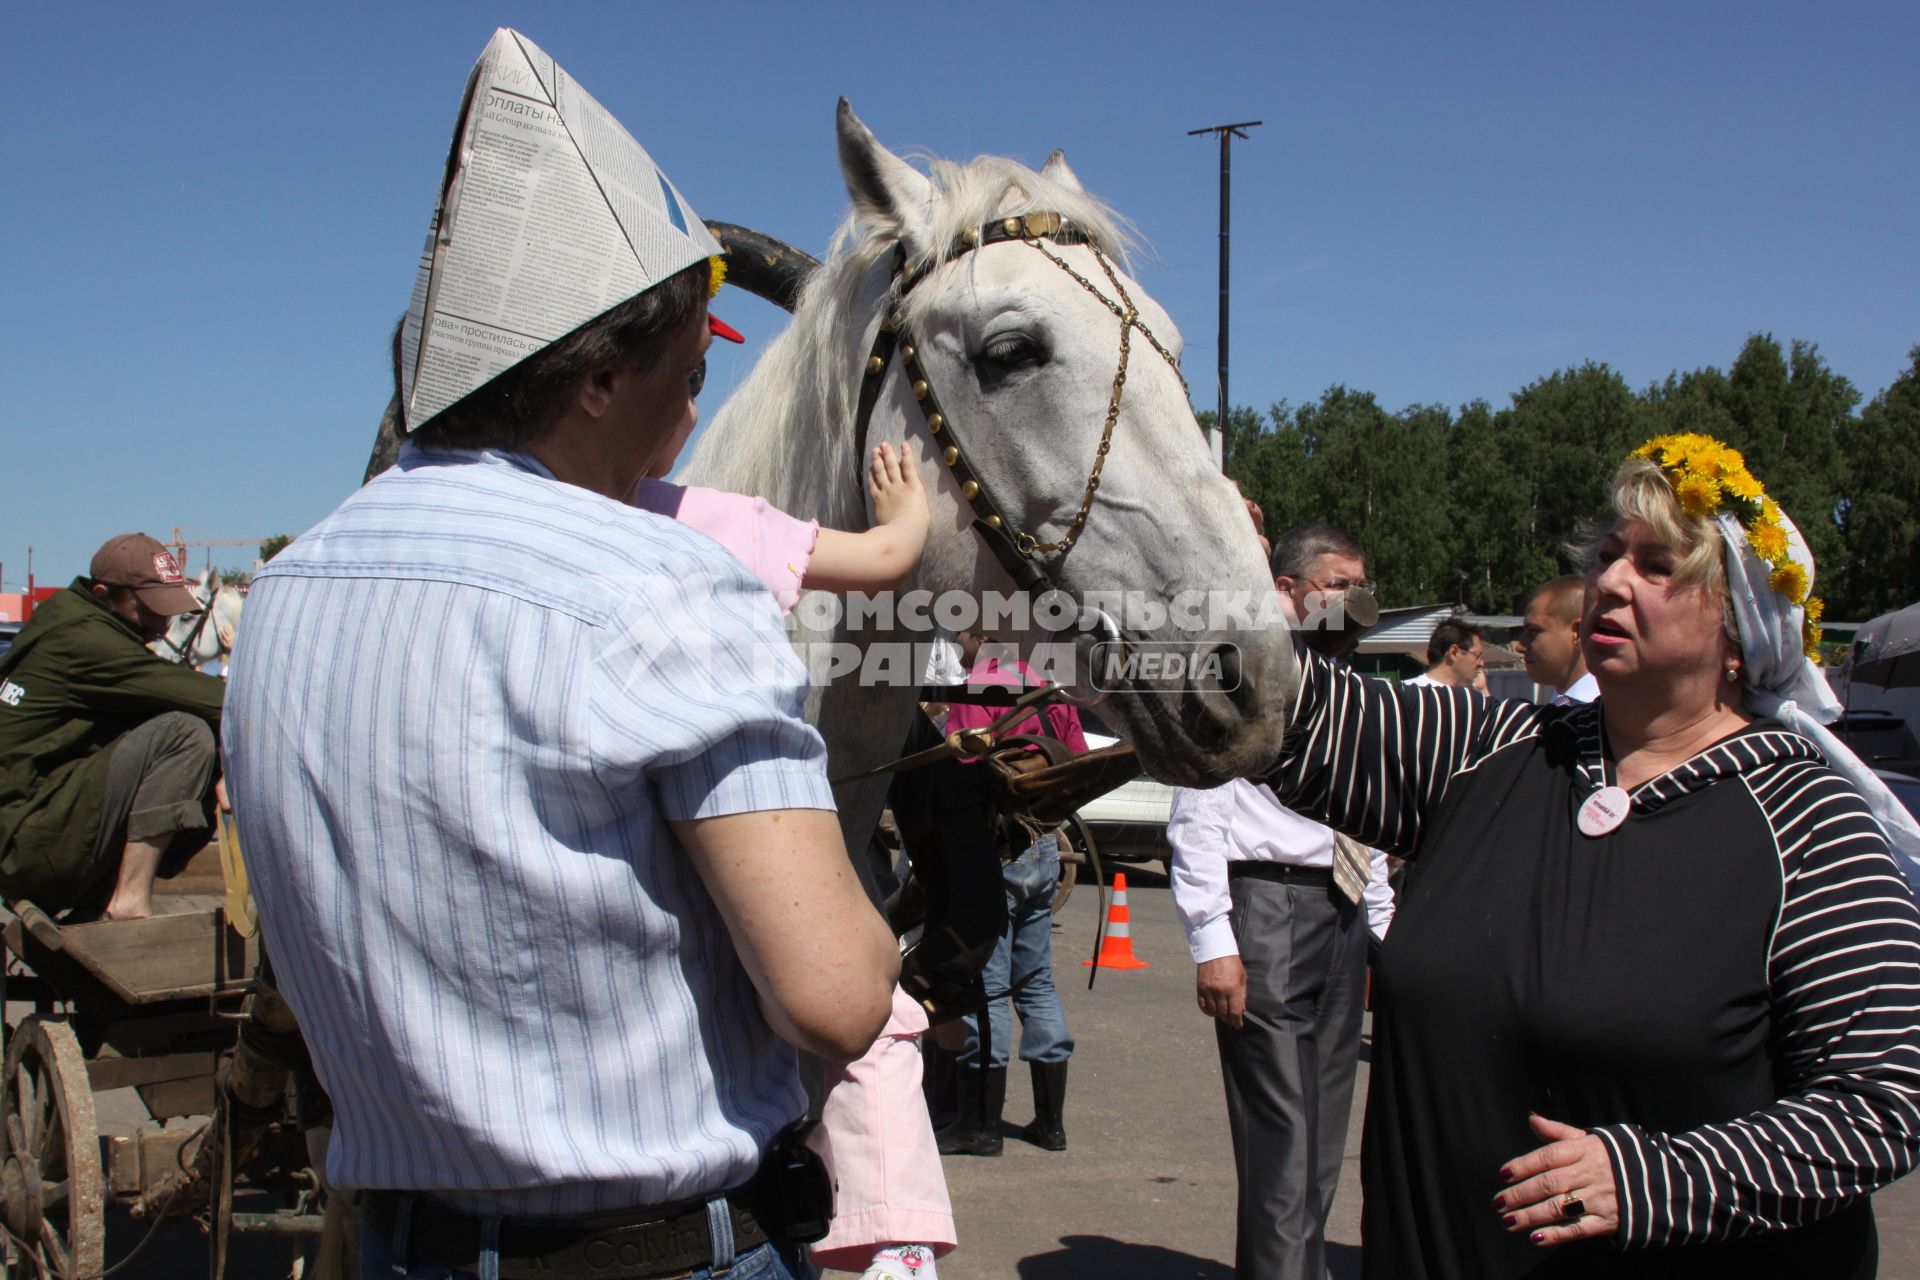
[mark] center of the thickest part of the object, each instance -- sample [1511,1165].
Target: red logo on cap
[169,571]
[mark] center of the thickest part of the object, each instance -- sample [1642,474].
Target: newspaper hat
[550,215]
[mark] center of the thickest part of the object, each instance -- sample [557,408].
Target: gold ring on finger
[1572,1207]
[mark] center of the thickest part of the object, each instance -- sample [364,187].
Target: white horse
[1017,340]
[207,636]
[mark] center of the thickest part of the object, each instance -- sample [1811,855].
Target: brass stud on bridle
[951,456]
[970,490]
[935,422]
[875,366]
[920,389]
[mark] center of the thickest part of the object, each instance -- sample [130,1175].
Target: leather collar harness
[1018,551]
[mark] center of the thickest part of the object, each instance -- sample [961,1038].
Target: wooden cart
[154,1005]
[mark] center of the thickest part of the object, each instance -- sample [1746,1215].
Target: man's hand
[1221,985]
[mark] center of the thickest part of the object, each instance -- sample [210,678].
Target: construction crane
[180,545]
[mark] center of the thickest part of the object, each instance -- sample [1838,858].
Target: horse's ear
[887,192]
[1056,169]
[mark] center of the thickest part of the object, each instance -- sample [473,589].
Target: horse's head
[1062,414]
[194,638]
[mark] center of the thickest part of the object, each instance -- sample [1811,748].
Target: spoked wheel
[1076,858]
[54,1206]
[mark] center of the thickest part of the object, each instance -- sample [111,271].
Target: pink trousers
[877,1141]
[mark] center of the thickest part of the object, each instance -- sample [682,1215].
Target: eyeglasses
[1367,585]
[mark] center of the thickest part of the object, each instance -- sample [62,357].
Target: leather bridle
[1018,551]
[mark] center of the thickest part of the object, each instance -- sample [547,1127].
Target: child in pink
[892,1217]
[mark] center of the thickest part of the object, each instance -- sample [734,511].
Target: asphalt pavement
[1143,1192]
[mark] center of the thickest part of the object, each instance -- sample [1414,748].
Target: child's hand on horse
[894,484]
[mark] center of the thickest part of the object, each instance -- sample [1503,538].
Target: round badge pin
[1604,811]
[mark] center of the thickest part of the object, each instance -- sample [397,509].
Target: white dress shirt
[1244,822]
[1585,689]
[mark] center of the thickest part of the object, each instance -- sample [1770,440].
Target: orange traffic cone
[1116,948]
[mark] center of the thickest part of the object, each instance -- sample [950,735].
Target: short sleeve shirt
[463,711]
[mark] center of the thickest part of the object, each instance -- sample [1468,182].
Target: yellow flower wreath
[1707,478]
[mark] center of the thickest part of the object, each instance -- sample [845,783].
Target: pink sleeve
[774,545]
[1062,721]
[1065,722]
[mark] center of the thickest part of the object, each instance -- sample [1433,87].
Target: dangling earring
[1733,673]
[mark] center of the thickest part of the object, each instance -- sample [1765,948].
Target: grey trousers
[159,785]
[1289,1070]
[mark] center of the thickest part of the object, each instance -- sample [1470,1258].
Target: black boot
[983,1096]
[1048,1130]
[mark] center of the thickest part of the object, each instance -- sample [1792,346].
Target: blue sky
[213,212]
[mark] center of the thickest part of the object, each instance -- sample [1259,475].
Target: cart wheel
[1072,857]
[50,1180]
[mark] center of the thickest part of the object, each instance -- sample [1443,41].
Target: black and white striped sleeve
[1844,973]
[1372,758]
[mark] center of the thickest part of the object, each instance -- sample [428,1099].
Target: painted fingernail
[1506,1173]
[1512,1220]
[1538,1237]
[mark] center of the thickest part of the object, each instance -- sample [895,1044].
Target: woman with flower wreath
[1649,1006]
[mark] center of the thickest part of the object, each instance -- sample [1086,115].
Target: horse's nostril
[1221,694]
[1230,669]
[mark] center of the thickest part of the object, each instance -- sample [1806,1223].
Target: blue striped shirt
[466,706]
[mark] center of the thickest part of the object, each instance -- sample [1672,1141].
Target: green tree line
[1477,506]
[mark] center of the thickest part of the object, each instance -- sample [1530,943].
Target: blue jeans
[764,1262]
[1026,947]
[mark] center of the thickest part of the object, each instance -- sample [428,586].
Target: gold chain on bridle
[1129,315]
[1017,549]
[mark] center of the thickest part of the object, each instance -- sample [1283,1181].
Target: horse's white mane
[798,404]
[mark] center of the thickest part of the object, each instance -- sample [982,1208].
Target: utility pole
[1227,133]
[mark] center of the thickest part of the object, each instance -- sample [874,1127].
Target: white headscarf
[1784,685]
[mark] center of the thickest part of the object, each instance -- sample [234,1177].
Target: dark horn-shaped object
[764,267]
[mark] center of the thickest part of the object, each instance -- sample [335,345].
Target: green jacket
[77,677]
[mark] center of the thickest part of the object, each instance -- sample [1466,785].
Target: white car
[1130,822]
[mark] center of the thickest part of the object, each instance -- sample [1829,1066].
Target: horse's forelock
[989,188]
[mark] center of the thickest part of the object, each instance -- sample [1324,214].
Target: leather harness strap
[990,522]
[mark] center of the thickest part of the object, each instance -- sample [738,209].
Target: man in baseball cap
[107,751]
[148,571]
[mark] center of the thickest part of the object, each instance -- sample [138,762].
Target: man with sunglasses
[1278,911]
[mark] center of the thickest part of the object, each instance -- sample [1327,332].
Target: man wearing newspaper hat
[543,849]
[106,750]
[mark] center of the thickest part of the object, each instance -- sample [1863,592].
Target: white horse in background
[206,637]
[1021,347]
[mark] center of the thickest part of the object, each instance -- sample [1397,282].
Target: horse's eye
[1010,351]
[697,380]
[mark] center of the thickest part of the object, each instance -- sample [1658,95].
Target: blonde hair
[1642,492]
